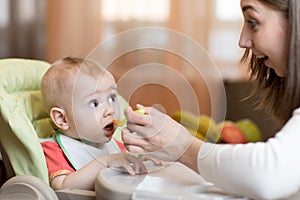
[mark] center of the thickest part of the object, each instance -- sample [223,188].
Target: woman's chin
[280,71]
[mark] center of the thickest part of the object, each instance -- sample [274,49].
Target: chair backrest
[23,117]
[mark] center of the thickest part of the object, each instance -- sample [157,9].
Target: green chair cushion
[21,114]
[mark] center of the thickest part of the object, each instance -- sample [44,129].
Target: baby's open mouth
[109,127]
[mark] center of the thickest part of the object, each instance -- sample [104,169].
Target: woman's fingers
[136,143]
[134,149]
[149,125]
[137,118]
[155,133]
[141,107]
[133,143]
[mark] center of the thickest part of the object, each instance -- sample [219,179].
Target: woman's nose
[245,39]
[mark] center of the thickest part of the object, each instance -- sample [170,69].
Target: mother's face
[265,32]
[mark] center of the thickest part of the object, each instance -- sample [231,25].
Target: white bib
[80,153]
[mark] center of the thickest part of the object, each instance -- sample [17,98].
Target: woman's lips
[264,58]
[267,61]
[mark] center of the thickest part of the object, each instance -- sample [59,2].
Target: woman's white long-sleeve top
[263,170]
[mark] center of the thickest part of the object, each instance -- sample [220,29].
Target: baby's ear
[59,118]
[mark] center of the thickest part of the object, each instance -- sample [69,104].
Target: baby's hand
[155,161]
[130,163]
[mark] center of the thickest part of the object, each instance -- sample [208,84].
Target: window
[228,10]
[224,37]
[135,10]
[4,13]
[224,44]
[4,20]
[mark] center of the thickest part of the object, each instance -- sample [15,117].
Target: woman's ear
[59,118]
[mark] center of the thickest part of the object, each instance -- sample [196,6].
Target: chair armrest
[26,187]
[34,188]
[75,194]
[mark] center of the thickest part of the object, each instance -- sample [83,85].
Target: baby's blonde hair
[59,79]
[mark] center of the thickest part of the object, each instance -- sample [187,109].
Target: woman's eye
[112,98]
[252,23]
[94,104]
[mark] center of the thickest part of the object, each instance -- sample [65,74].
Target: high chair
[23,120]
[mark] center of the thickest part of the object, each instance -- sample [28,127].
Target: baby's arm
[85,177]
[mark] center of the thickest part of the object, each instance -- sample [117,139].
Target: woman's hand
[155,134]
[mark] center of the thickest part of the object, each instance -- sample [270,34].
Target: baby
[82,101]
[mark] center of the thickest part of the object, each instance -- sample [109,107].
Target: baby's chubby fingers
[133,165]
[156,161]
[137,165]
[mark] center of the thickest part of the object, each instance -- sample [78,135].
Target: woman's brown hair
[279,95]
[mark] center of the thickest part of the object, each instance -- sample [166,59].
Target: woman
[266,170]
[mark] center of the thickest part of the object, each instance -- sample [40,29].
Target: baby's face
[95,106]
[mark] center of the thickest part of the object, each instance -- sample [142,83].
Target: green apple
[250,130]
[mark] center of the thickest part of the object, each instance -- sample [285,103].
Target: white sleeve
[264,170]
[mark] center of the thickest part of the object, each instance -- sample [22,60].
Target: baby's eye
[112,98]
[94,103]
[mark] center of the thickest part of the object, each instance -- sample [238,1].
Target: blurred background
[51,29]
[55,28]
